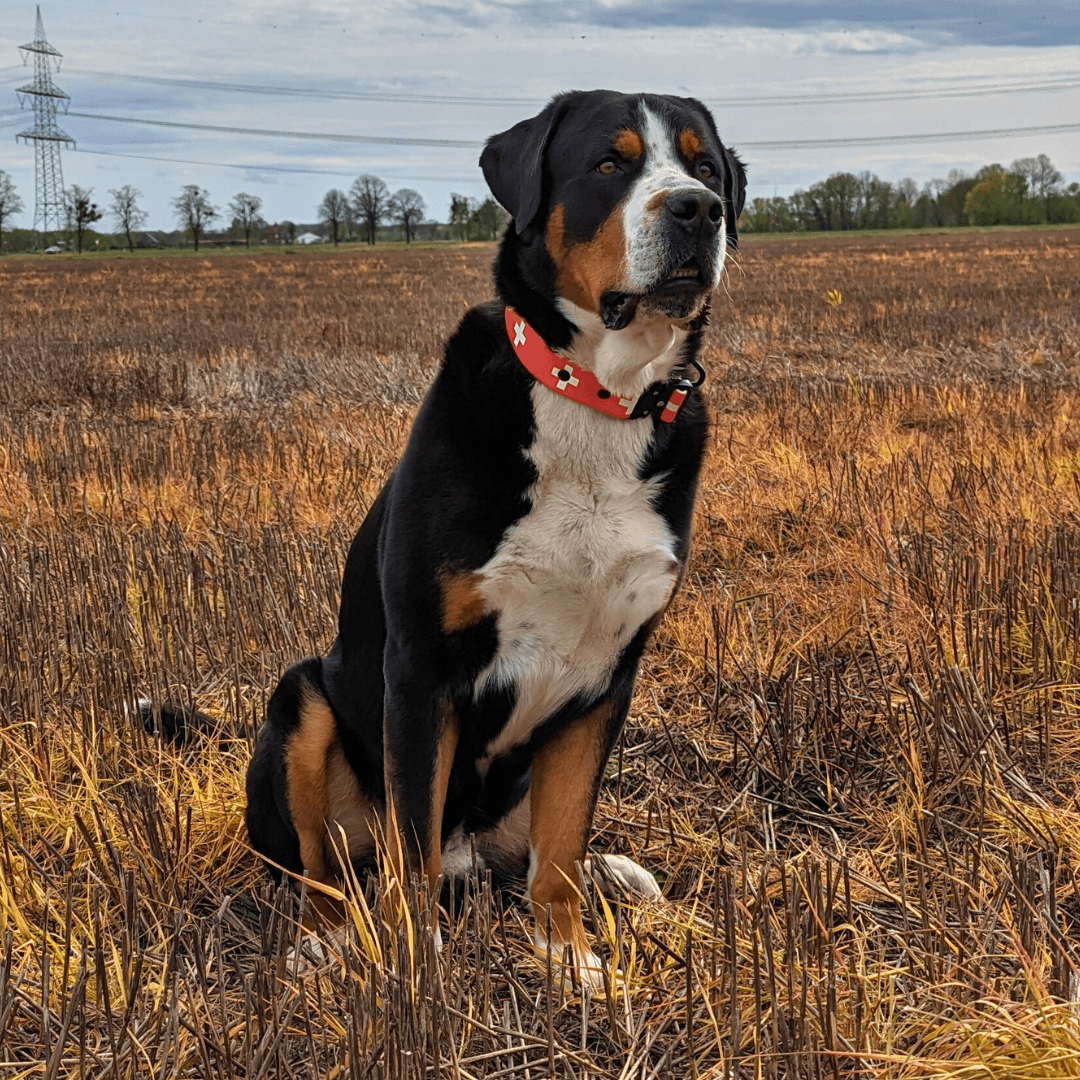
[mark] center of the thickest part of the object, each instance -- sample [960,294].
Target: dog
[501,590]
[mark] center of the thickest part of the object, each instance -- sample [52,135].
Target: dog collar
[661,400]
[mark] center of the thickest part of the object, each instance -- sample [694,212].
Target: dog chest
[576,577]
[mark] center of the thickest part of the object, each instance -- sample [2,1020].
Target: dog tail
[174,721]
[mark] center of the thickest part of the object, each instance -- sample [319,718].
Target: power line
[272,168]
[332,95]
[780,144]
[1068,82]
[932,137]
[380,140]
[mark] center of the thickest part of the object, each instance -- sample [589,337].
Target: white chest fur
[575,578]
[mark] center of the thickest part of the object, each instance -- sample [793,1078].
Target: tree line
[1029,192]
[368,205]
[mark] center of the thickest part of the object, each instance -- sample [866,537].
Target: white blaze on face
[643,213]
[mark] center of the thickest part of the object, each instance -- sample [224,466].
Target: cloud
[481,65]
[881,27]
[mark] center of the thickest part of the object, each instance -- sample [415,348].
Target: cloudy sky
[408,89]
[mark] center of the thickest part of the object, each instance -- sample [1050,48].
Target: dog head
[623,204]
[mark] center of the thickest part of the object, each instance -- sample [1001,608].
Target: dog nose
[693,208]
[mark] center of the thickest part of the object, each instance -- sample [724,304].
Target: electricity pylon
[45,98]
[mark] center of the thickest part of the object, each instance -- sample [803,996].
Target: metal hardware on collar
[660,400]
[663,400]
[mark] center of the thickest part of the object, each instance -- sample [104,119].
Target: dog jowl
[499,595]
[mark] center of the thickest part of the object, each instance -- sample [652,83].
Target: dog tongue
[617,309]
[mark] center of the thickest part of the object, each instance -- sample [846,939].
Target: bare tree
[459,214]
[10,203]
[489,217]
[335,210]
[1046,181]
[245,211]
[369,202]
[81,212]
[125,210]
[408,208]
[194,211]
[1026,168]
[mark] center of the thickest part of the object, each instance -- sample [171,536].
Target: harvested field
[853,758]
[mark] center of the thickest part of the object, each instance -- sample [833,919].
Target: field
[853,757]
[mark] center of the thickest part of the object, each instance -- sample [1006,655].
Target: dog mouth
[688,276]
[678,292]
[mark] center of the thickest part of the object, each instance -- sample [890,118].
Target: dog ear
[734,193]
[513,164]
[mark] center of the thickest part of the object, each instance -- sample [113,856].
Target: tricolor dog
[499,595]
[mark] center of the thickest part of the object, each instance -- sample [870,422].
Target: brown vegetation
[853,758]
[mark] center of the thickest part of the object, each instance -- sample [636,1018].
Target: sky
[433,79]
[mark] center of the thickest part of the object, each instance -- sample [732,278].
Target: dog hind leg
[302,792]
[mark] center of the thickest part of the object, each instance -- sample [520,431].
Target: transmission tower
[45,98]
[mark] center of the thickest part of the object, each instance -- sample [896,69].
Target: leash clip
[678,394]
[662,401]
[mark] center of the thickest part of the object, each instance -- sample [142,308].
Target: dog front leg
[566,775]
[420,737]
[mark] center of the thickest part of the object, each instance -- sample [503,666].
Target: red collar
[663,400]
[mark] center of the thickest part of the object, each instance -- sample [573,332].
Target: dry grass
[853,757]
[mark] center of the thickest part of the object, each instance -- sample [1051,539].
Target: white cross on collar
[564,382]
[519,333]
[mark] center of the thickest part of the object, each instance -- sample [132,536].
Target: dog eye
[706,170]
[607,167]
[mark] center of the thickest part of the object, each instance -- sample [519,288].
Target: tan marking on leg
[690,143]
[440,780]
[462,603]
[306,759]
[628,143]
[587,270]
[565,774]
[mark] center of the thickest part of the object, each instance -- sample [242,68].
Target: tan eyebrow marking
[690,143]
[628,143]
